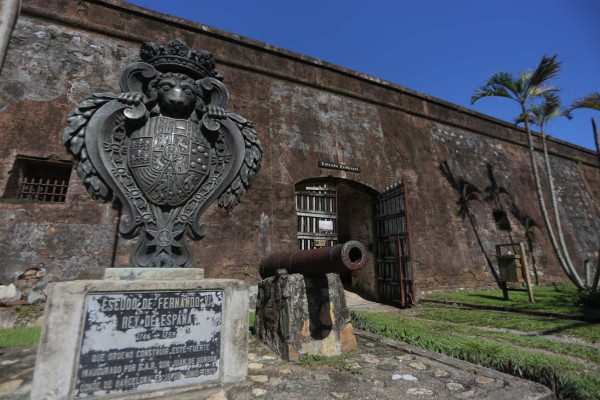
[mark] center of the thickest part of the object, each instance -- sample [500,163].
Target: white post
[9,11]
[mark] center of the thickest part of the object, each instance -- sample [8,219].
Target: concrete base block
[153,274]
[299,316]
[142,338]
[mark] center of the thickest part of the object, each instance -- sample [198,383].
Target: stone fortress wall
[305,110]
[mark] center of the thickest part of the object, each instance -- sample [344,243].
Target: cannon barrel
[350,256]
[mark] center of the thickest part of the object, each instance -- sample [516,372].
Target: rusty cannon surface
[350,256]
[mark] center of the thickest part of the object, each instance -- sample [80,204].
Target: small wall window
[38,180]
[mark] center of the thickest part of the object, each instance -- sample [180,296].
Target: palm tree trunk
[596,139]
[9,12]
[557,219]
[538,189]
[533,263]
[596,280]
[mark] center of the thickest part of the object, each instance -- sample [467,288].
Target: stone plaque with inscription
[149,340]
[152,338]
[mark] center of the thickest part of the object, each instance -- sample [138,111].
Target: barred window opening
[39,180]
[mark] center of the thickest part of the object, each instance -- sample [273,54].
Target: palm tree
[591,101]
[540,114]
[523,89]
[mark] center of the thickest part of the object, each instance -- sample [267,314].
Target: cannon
[350,256]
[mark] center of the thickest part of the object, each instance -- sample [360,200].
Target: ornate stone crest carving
[166,147]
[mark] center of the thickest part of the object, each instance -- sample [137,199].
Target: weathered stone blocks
[299,315]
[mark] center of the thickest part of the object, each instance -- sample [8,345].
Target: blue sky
[443,48]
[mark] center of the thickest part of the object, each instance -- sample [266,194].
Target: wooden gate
[316,210]
[394,266]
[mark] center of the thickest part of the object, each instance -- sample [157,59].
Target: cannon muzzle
[350,256]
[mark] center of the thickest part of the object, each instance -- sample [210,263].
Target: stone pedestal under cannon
[305,313]
[298,315]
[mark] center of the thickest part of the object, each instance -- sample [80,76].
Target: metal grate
[316,212]
[43,189]
[40,180]
[394,266]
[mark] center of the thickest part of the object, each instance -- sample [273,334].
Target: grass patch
[26,336]
[251,319]
[568,349]
[547,299]
[565,377]
[527,323]
[474,322]
[341,362]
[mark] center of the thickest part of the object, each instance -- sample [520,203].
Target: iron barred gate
[393,263]
[316,211]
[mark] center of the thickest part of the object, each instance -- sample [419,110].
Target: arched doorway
[332,211]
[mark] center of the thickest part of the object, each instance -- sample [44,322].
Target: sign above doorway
[342,167]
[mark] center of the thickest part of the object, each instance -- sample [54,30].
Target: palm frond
[524,116]
[523,84]
[551,102]
[591,101]
[547,110]
[502,79]
[552,107]
[527,86]
[500,84]
[489,92]
[535,92]
[547,69]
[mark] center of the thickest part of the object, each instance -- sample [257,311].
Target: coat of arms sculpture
[166,147]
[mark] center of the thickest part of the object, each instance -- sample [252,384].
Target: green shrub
[589,297]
